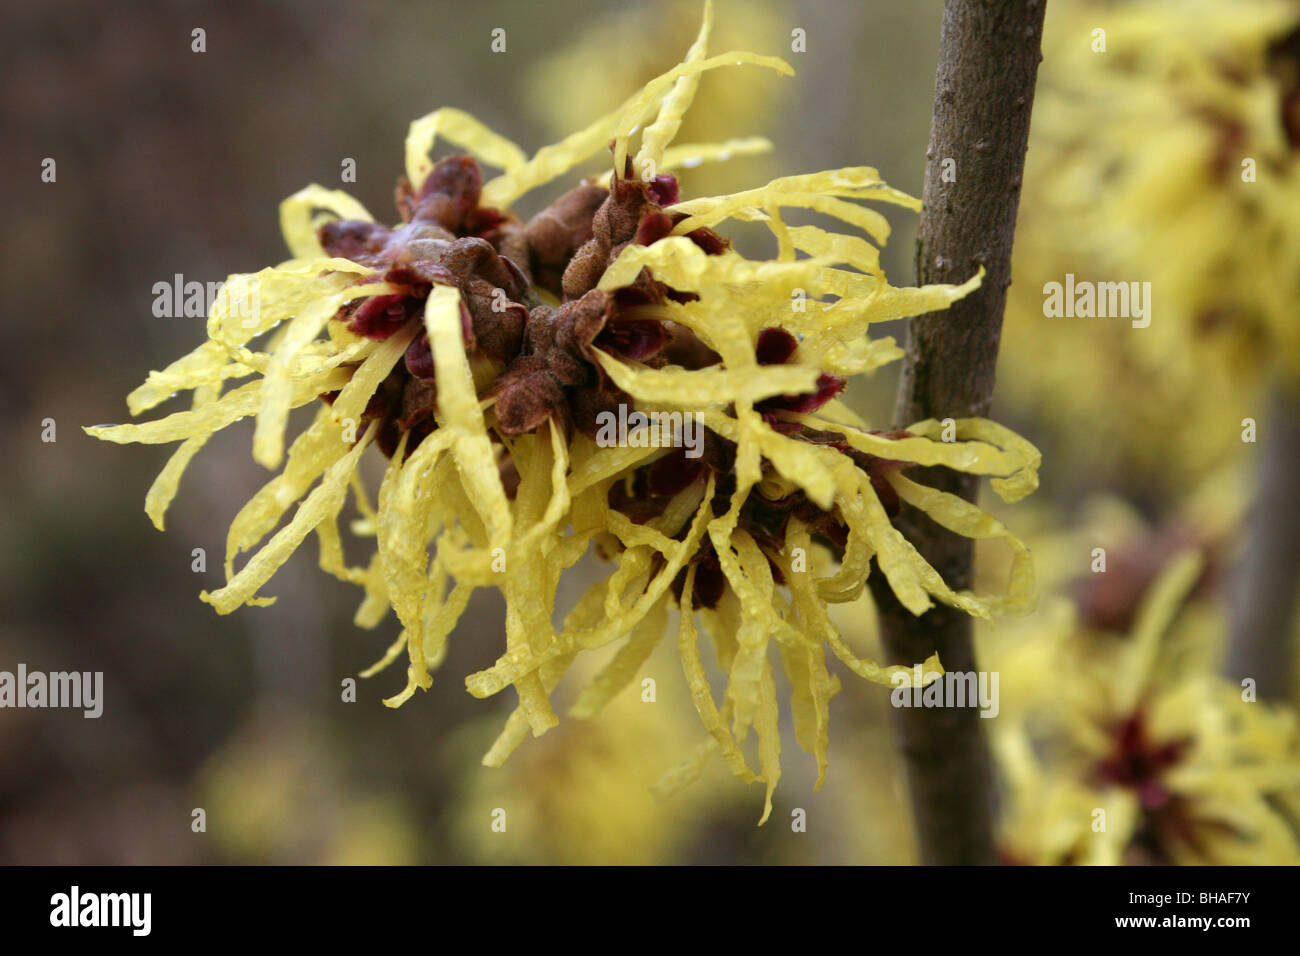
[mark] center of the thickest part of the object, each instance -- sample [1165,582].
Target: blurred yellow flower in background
[274,792]
[1142,755]
[583,794]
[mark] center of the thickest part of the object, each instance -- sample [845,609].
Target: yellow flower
[1144,756]
[495,363]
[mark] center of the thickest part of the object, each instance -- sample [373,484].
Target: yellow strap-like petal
[164,487]
[691,155]
[635,112]
[458,408]
[714,722]
[959,515]
[324,500]
[694,388]
[674,106]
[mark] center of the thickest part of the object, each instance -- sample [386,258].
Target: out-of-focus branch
[989,52]
[1267,576]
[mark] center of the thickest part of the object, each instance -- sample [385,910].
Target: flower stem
[989,52]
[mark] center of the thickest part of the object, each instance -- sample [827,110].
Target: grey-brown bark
[1267,575]
[988,61]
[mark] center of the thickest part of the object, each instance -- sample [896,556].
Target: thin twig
[989,52]
[1267,576]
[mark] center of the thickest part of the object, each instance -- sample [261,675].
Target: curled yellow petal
[693,388]
[634,113]
[701,695]
[463,130]
[307,209]
[661,132]
[238,403]
[959,515]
